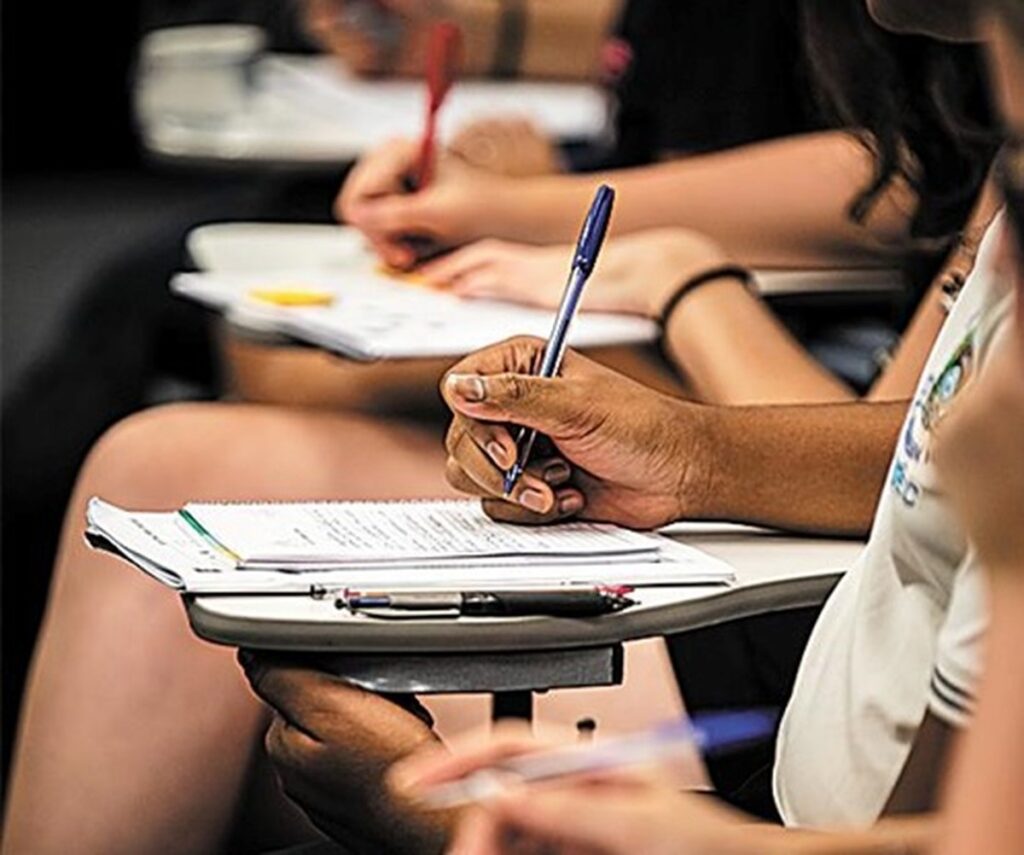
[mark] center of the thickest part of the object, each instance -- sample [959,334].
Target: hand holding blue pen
[709,733]
[591,238]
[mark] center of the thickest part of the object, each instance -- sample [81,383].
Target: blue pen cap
[595,227]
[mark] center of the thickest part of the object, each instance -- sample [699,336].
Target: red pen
[444,52]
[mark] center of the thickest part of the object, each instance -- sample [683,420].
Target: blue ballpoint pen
[587,247]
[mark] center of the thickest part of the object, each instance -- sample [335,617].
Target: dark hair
[920,106]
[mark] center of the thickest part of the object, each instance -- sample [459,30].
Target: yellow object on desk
[293,296]
[409,277]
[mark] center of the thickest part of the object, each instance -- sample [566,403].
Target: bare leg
[135,736]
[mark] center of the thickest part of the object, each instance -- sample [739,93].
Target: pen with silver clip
[564,601]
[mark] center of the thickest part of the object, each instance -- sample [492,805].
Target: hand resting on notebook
[610,457]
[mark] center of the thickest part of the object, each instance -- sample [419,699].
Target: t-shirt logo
[931,405]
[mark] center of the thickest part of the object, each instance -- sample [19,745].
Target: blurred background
[93,224]
[126,127]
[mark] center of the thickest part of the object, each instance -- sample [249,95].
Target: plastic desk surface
[773,572]
[262,248]
[307,110]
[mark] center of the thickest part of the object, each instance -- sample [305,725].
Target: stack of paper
[375,316]
[240,548]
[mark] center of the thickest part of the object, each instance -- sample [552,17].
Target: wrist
[678,270]
[712,484]
[694,458]
[709,277]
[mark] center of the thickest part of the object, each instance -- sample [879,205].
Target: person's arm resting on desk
[623,453]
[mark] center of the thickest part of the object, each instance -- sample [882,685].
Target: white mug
[197,75]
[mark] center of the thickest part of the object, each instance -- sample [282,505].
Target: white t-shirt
[900,633]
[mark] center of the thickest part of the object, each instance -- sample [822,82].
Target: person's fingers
[290,747]
[404,214]
[302,696]
[465,753]
[521,354]
[379,174]
[457,478]
[493,439]
[530,491]
[458,263]
[496,444]
[485,283]
[569,502]
[546,404]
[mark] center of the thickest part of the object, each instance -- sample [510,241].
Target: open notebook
[252,548]
[376,316]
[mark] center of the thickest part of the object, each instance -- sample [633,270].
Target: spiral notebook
[240,548]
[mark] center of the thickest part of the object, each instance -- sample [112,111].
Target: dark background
[90,230]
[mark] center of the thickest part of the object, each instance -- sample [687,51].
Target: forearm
[984,798]
[891,837]
[731,349]
[815,468]
[781,203]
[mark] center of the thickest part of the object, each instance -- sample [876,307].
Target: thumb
[546,404]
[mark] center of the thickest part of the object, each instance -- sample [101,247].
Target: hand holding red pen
[377,197]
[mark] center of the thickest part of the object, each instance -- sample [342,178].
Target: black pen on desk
[595,226]
[589,601]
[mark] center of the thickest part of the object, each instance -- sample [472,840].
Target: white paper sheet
[375,316]
[164,546]
[324,535]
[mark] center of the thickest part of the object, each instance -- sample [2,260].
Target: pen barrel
[412,602]
[553,603]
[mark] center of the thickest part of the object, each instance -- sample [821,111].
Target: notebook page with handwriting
[321,535]
[174,549]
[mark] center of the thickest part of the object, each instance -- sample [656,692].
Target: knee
[136,460]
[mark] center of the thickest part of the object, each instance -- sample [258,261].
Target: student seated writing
[149,709]
[979,461]
[891,669]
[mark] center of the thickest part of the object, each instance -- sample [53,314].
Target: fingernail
[497,452]
[533,500]
[571,504]
[467,386]
[557,473]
